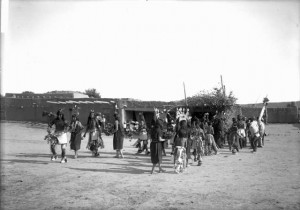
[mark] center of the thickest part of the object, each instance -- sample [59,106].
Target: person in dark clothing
[156,145]
[217,125]
[234,137]
[248,133]
[118,137]
[189,142]
[93,128]
[75,129]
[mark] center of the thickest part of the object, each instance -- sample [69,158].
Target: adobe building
[20,107]
[31,109]
[62,94]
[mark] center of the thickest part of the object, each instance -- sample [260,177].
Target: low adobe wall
[275,115]
[31,109]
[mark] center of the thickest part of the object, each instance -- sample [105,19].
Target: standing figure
[61,134]
[75,128]
[100,122]
[189,144]
[104,121]
[180,145]
[261,126]
[199,137]
[218,131]
[193,138]
[143,137]
[209,140]
[118,137]
[248,133]
[93,128]
[156,145]
[234,137]
[241,131]
[223,131]
[254,130]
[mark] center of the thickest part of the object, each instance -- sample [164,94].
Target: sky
[147,49]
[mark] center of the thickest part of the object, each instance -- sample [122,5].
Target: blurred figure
[118,137]
[180,145]
[75,128]
[233,137]
[254,130]
[61,134]
[156,146]
[94,130]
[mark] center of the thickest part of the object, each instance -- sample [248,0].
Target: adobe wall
[275,115]
[14,109]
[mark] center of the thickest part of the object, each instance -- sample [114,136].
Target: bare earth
[269,179]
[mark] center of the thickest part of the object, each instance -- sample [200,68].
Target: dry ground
[269,179]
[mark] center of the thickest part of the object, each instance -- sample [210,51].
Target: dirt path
[269,179]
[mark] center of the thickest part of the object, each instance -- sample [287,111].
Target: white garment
[261,126]
[94,135]
[61,137]
[254,129]
[241,132]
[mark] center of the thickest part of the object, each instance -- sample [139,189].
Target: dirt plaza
[269,179]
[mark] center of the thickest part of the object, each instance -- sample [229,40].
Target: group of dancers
[94,129]
[197,137]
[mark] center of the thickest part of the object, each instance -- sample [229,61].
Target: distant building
[57,95]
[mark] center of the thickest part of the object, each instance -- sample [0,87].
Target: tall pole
[223,88]
[185,95]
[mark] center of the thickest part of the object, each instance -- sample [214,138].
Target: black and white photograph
[150,104]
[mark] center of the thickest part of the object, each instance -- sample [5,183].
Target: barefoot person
[156,145]
[93,128]
[143,137]
[61,134]
[75,129]
[254,129]
[234,137]
[118,137]
[180,145]
[199,137]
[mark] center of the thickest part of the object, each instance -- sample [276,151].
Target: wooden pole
[185,95]
[223,88]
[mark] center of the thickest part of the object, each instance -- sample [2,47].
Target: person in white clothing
[254,130]
[61,134]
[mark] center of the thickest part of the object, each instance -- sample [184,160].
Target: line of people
[94,128]
[198,137]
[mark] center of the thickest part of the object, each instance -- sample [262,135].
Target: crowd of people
[188,136]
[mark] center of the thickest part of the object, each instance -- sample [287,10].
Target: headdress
[160,114]
[183,114]
[157,113]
